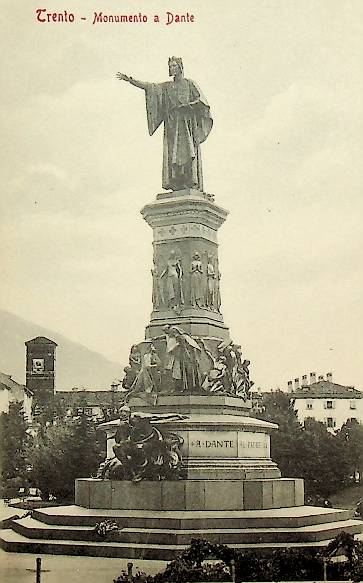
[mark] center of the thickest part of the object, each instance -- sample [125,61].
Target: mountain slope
[76,365]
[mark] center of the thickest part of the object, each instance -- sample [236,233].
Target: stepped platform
[162,535]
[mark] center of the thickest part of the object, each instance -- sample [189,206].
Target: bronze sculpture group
[176,367]
[143,451]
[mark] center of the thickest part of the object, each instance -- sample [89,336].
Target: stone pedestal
[186,222]
[220,440]
[226,461]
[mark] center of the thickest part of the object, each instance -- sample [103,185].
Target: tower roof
[40,340]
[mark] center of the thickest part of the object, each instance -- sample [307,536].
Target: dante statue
[187,123]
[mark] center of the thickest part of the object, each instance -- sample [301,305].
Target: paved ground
[20,567]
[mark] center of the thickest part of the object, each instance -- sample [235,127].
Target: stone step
[33,529]
[292,517]
[14,542]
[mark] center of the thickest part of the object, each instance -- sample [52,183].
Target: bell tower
[40,367]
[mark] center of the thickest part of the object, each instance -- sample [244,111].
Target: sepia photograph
[181,369]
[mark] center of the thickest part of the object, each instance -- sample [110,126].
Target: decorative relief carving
[173,274]
[198,289]
[157,289]
[184,230]
[210,300]
[196,282]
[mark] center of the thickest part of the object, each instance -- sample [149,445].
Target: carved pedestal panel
[186,275]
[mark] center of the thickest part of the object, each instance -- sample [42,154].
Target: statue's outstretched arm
[123,77]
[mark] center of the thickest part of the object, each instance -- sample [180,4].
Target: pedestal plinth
[187,495]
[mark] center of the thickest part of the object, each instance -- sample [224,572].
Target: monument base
[157,519]
[198,495]
[161,535]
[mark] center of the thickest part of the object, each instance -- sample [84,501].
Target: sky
[284,82]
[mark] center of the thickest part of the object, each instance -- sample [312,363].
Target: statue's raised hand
[122,77]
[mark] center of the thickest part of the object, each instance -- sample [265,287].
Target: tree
[326,470]
[350,437]
[288,446]
[62,451]
[13,451]
[324,460]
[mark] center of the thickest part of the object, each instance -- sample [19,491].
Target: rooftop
[326,389]
[92,398]
[6,382]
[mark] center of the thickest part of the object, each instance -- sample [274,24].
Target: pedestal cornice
[182,211]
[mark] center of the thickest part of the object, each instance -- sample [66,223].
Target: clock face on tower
[38,365]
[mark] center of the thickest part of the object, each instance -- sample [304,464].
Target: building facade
[326,401]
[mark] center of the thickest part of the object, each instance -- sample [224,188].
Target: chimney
[329,377]
[297,384]
[312,377]
[321,377]
[289,386]
[304,380]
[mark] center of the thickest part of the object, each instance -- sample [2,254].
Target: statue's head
[196,255]
[175,64]
[174,331]
[125,413]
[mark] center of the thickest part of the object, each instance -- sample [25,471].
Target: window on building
[329,405]
[309,405]
[88,411]
[352,405]
[330,422]
[353,419]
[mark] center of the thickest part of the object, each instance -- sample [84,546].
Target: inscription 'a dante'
[217,443]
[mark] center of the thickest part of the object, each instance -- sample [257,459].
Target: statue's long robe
[185,128]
